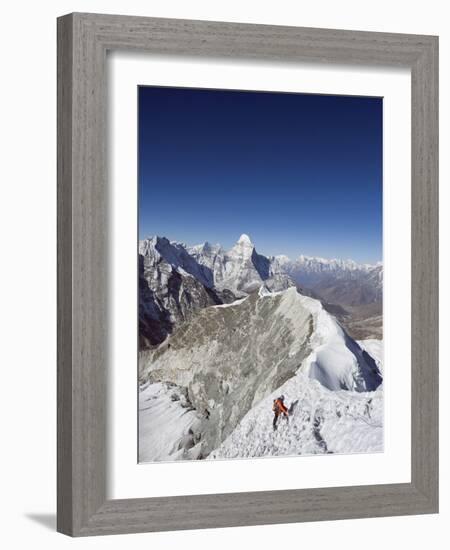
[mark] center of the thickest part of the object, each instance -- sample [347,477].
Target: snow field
[320,421]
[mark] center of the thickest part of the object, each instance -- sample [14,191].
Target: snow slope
[320,421]
[167,424]
[336,361]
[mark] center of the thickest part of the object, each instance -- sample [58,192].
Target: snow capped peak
[152,244]
[243,249]
[244,239]
[282,259]
[206,247]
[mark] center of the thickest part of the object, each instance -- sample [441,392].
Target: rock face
[231,356]
[172,286]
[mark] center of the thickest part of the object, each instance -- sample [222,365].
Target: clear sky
[299,173]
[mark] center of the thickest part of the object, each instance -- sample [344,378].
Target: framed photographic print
[247,274]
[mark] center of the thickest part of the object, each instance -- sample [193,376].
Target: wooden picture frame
[83,41]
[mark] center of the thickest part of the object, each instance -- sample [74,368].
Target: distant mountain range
[176,280]
[337,281]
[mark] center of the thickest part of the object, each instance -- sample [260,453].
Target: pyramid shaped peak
[245,239]
[244,248]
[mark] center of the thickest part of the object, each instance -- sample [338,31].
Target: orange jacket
[279,407]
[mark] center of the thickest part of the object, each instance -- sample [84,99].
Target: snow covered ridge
[175,254]
[319,422]
[230,360]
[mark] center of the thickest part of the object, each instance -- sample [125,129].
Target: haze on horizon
[298,173]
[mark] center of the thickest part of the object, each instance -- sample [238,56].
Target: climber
[279,408]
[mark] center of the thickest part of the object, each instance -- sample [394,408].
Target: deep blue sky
[299,173]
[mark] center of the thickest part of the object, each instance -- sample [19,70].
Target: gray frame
[83,40]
